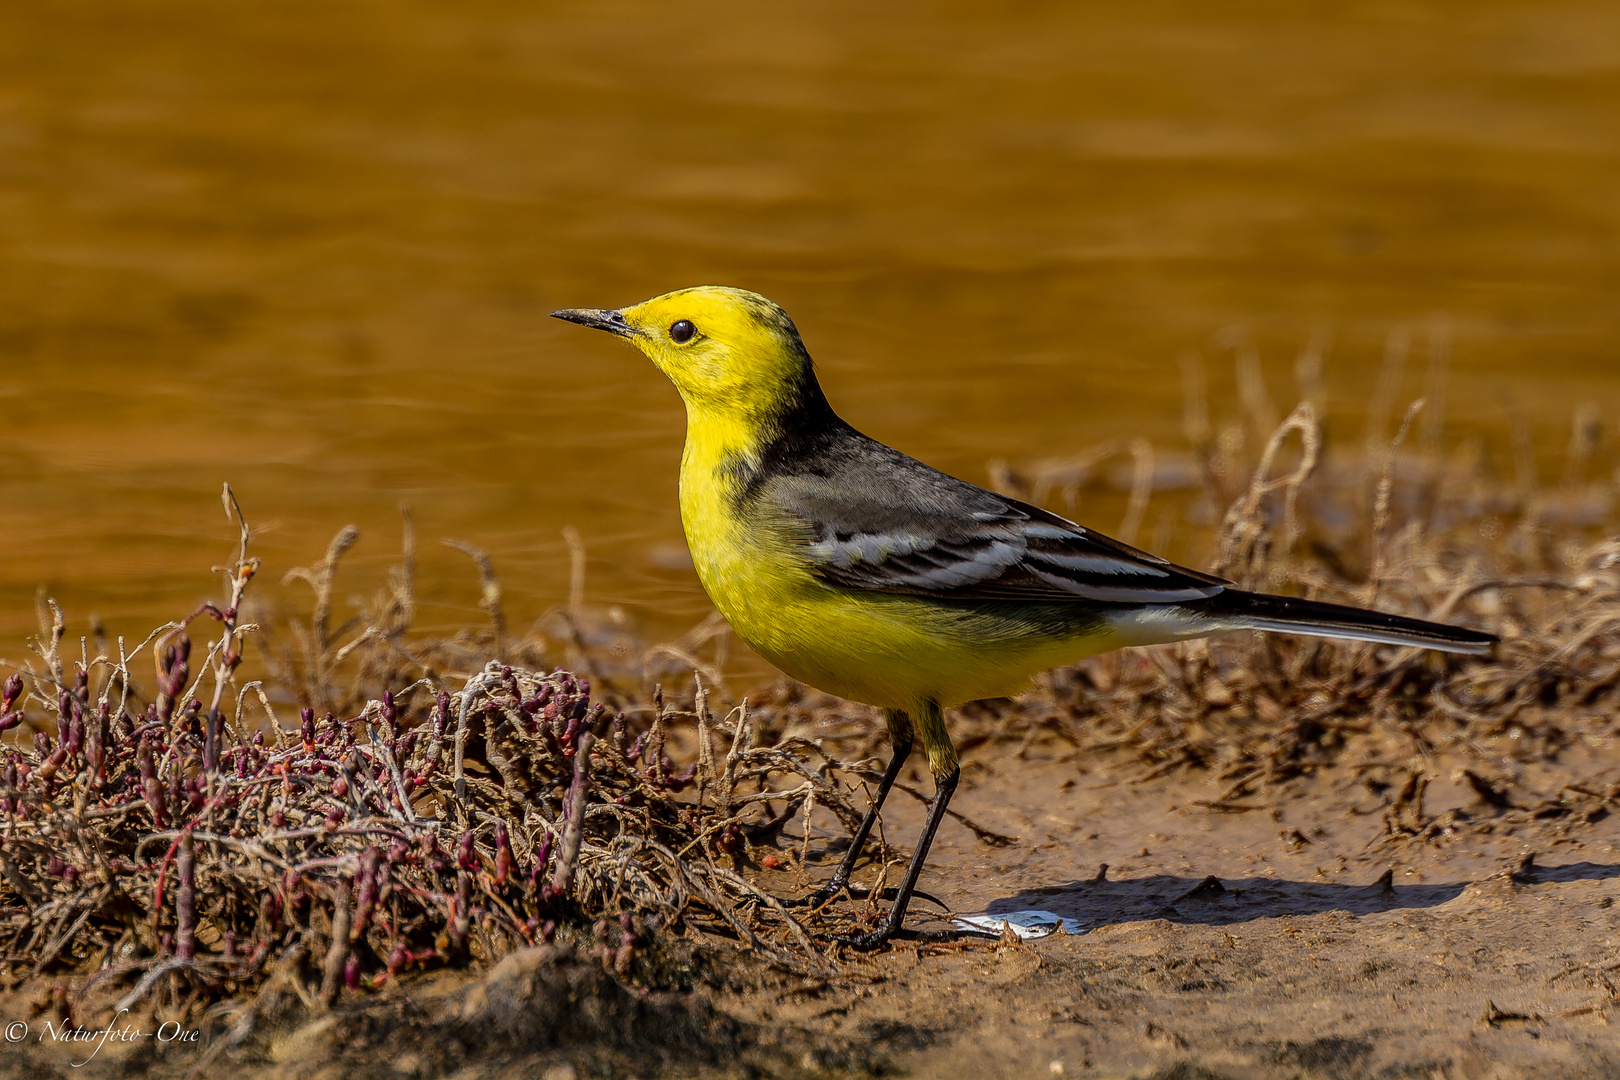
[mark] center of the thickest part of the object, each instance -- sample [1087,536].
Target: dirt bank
[1299,960]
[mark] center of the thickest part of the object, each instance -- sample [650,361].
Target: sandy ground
[1298,961]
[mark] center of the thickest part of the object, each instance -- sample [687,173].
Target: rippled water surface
[309,248]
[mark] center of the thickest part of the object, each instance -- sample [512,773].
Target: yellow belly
[899,651]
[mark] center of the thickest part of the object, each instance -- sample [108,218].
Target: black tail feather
[1291,615]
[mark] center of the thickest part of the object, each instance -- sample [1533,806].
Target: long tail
[1291,615]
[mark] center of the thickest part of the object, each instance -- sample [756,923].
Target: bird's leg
[942,761]
[900,735]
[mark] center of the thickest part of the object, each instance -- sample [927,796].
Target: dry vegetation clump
[165,840]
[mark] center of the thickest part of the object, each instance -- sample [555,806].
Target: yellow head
[731,353]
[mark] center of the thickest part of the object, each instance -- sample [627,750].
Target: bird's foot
[836,888]
[876,939]
[822,895]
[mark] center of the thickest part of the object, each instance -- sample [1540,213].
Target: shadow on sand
[1209,901]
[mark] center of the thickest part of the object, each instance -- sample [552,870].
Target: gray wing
[880,521]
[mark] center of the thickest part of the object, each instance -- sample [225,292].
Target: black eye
[682,332]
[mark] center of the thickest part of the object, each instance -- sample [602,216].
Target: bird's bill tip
[597,319]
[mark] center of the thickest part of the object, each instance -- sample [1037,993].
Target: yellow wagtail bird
[864,572]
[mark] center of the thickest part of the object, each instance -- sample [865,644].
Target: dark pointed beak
[597,319]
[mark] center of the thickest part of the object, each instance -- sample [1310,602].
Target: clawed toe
[865,942]
[817,898]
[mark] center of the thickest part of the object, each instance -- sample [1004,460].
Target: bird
[874,577]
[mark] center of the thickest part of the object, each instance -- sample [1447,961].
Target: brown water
[309,248]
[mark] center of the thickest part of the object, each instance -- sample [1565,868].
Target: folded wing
[879,521]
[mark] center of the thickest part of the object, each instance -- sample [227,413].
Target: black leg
[900,733]
[943,787]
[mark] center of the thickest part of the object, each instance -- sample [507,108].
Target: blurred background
[310,248]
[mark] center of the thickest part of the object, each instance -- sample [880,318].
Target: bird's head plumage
[728,351]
